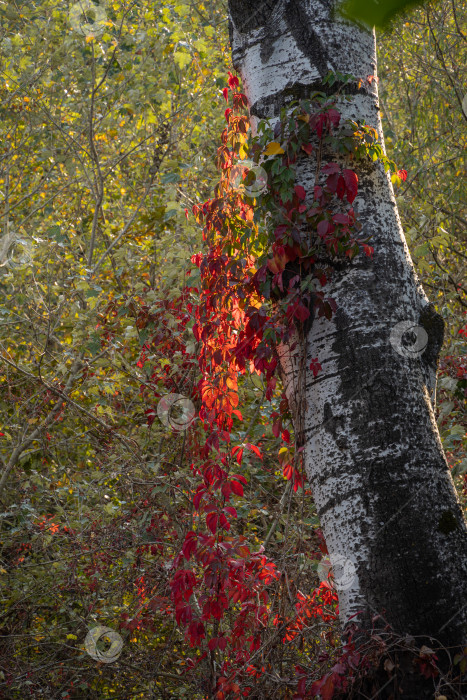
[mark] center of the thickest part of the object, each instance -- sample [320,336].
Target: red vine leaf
[351,183]
[211,522]
[255,449]
[300,191]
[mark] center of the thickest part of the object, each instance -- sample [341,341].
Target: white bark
[372,451]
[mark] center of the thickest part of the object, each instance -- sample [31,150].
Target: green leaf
[376,13]
[170,177]
[182,59]
[460,468]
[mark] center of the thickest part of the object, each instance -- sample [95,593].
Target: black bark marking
[433,324]
[307,40]
[271,105]
[447,522]
[248,16]
[333,425]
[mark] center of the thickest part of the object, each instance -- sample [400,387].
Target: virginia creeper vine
[260,283]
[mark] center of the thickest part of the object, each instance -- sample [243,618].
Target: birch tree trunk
[373,456]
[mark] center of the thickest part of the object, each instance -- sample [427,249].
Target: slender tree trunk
[373,456]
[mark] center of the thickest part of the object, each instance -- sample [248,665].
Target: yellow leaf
[273,149]
[200,45]
[182,59]
[256,301]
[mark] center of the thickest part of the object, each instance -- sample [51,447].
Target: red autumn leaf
[308,148]
[323,228]
[233,81]
[189,546]
[288,471]
[330,168]
[351,183]
[318,193]
[276,427]
[334,117]
[222,643]
[277,264]
[211,522]
[319,124]
[255,449]
[198,496]
[239,455]
[298,482]
[402,174]
[227,113]
[315,366]
[237,488]
[225,92]
[332,182]
[301,312]
[324,687]
[226,490]
[243,552]
[341,219]
[300,191]
[183,615]
[240,477]
[321,276]
[223,522]
[369,250]
[212,644]
[286,436]
[150,415]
